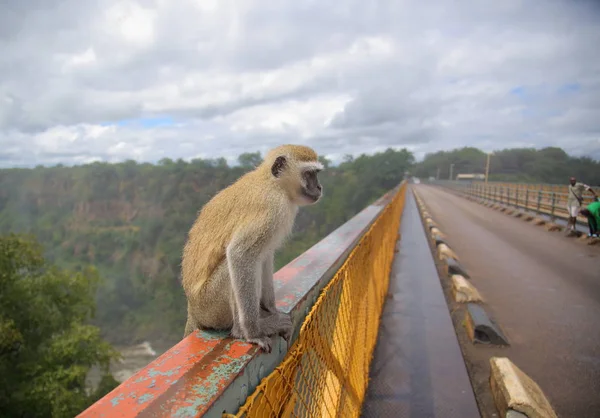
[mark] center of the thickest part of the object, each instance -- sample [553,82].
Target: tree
[46,346]
[250,160]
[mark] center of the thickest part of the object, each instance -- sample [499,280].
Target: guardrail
[547,199]
[211,374]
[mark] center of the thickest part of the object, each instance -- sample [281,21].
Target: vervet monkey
[227,263]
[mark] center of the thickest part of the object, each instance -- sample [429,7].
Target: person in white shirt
[575,200]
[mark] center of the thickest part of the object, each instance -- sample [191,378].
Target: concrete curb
[435,231]
[452,266]
[445,251]
[552,227]
[430,223]
[481,329]
[463,291]
[528,217]
[514,391]
[438,239]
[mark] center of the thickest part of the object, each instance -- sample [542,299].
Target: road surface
[541,287]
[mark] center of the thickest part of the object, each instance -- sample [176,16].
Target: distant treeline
[130,221]
[547,165]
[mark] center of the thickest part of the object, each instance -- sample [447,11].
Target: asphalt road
[541,287]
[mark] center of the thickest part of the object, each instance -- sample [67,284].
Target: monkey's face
[299,179]
[310,187]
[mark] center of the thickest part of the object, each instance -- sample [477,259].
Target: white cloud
[216,78]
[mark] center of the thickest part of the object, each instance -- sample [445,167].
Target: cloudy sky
[113,80]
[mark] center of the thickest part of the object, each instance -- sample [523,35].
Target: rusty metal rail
[208,373]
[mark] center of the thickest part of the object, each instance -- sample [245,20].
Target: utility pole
[451,170]
[487,167]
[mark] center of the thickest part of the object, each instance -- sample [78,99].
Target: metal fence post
[553,202]
[539,202]
[527,199]
[517,197]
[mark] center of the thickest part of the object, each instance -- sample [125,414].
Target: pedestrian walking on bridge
[592,213]
[575,200]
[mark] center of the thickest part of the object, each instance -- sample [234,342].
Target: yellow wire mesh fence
[326,371]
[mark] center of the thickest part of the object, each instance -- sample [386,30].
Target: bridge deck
[544,291]
[418,369]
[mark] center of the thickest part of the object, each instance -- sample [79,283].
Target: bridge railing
[543,199]
[334,293]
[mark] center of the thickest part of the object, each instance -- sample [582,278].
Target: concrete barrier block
[593,241]
[515,414]
[514,391]
[481,329]
[437,239]
[454,267]
[445,251]
[463,291]
[436,231]
[552,227]
[430,223]
[539,221]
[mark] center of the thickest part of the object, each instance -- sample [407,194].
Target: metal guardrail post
[527,199]
[552,217]
[539,201]
[517,198]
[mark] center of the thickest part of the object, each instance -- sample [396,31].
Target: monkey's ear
[278,166]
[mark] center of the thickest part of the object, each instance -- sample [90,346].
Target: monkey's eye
[311,174]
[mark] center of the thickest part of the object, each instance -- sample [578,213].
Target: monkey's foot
[285,326]
[263,342]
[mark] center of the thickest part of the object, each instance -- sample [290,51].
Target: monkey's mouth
[311,196]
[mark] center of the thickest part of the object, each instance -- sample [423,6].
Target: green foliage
[547,165]
[131,220]
[250,160]
[47,346]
